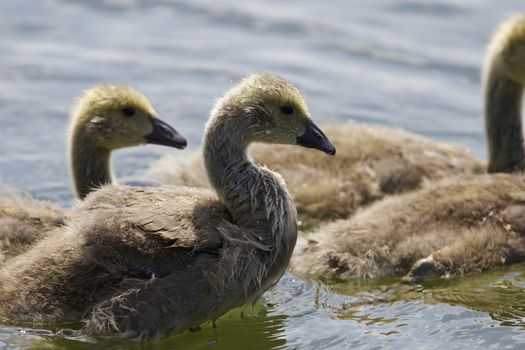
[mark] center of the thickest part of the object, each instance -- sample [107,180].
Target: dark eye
[287,109]
[128,111]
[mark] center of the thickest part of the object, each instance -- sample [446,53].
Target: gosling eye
[287,109]
[128,111]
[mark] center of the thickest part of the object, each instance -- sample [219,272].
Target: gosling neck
[503,126]
[255,196]
[90,165]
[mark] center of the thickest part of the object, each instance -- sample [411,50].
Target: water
[410,64]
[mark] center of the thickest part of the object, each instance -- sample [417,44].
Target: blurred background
[410,64]
[404,63]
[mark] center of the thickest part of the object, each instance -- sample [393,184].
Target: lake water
[406,63]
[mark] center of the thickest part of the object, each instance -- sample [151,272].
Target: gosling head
[271,110]
[507,49]
[118,116]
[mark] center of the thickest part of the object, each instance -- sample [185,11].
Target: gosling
[105,118]
[143,262]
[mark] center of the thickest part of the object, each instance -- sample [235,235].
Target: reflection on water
[460,310]
[407,63]
[253,325]
[501,294]
[481,310]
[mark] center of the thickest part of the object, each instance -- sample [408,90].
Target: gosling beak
[164,134]
[313,137]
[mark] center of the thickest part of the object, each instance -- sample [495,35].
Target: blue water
[410,64]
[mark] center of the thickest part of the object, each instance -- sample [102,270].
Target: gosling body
[455,226]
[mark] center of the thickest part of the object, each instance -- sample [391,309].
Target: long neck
[256,197]
[90,165]
[503,126]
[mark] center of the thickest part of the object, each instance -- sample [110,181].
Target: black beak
[164,134]
[313,137]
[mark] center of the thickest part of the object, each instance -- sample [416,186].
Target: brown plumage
[460,225]
[466,224]
[105,118]
[148,261]
[23,221]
